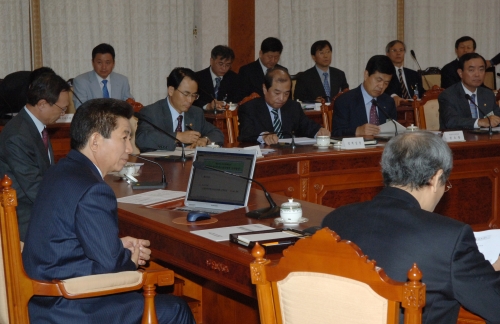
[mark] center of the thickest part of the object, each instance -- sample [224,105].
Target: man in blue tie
[102,82]
[458,112]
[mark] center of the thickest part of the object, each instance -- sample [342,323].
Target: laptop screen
[212,189]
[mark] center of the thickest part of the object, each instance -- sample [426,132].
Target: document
[388,128]
[177,152]
[152,197]
[222,233]
[299,140]
[488,243]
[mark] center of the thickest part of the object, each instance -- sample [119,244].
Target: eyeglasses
[397,50]
[63,109]
[224,65]
[448,186]
[193,96]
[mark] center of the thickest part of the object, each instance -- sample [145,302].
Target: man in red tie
[25,150]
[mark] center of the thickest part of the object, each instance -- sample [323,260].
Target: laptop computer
[216,192]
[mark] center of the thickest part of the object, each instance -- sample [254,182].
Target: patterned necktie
[105,92]
[178,129]
[473,109]
[404,91]
[217,86]
[374,116]
[277,123]
[45,138]
[326,84]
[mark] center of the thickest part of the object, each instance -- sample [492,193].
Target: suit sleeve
[449,114]
[147,138]
[247,126]
[81,88]
[207,129]
[341,123]
[126,90]
[307,127]
[96,227]
[476,285]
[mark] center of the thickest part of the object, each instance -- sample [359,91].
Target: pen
[278,243]
[189,126]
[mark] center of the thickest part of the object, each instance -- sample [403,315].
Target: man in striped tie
[456,111]
[268,119]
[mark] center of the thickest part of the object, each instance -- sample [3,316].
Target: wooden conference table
[321,179]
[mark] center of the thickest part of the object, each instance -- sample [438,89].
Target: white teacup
[232,106]
[317,106]
[291,211]
[323,141]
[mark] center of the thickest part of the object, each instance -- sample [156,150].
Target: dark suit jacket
[149,139]
[24,159]
[74,233]
[454,109]
[229,88]
[350,113]
[13,91]
[412,79]
[449,74]
[254,118]
[309,85]
[393,230]
[251,79]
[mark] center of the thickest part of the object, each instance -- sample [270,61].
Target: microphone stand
[375,103]
[150,185]
[292,144]
[490,130]
[412,52]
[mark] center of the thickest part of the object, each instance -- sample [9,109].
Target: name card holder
[352,143]
[455,136]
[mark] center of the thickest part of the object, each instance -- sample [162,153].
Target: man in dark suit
[404,81]
[218,81]
[322,80]
[456,111]
[449,74]
[74,228]
[252,74]
[354,113]
[176,115]
[275,113]
[102,82]
[25,150]
[398,227]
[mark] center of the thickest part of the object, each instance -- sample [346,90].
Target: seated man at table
[177,116]
[398,227]
[355,114]
[102,82]
[404,81]
[218,84]
[458,112]
[252,74]
[25,150]
[74,226]
[321,81]
[268,119]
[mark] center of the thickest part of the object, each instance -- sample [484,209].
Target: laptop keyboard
[205,210]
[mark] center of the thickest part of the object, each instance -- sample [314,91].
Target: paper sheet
[299,140]
[152,197]
[222,233]
[488,243]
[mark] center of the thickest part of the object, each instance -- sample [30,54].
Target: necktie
[277,123]
[404,91]
[473,109]
[217,86]
[326,84]
[105,92]
[178,129]
[45,138]
[374,116]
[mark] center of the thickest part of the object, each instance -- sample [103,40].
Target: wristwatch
[208,140]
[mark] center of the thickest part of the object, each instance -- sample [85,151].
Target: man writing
[176,115]
[458,112]
[74,226]
[398,227]
[355,113]
[268,119]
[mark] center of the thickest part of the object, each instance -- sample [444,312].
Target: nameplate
[67,118]
[455,136]
[352,143]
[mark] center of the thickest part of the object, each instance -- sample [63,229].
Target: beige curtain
[150,38]
[15,40]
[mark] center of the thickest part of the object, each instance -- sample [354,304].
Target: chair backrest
[294,82]
[329,110]
[232,125]
[325,280]
[430,77]
[426,111]
[490,78]
[133,122]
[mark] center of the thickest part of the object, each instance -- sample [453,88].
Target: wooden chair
[328,110]
[325,280]
[16,288]
[430,77]
[232,125]
[294,82]
[133,122]
[426,111]
[490,78]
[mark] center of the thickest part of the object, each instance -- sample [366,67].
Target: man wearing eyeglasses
[218,84]
[404,81]
[25,149]
[177,116]
[398,227]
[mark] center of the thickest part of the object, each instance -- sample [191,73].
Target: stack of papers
[299,140]
[152,197]
[222,233]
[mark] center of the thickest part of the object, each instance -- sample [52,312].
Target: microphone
[262,213]
[149,185]
[74,94]
[375,103]
[490,130]
[412,52]
[182,158]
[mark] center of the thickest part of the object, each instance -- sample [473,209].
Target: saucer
[280,220]
[323,147]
